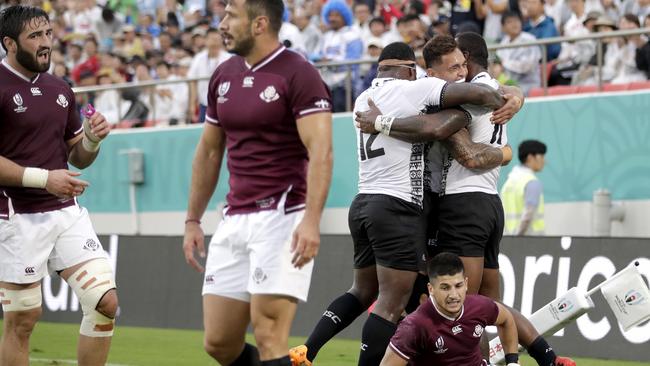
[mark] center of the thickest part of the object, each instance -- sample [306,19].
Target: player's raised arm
[205,174]
[316,134]
[507,330]
[437,126]
[514,102]
[392,359]
[474,155]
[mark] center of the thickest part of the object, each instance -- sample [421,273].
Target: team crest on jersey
[440,346]
[269,94]
[36,91]
[18,100]
[223,90]
[478,331]
[62,101]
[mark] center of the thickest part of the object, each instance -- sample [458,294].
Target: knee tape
[21,300]
[90,283]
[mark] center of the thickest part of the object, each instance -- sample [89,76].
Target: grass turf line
[55,344]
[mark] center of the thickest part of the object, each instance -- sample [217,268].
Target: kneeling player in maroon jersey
[447,329]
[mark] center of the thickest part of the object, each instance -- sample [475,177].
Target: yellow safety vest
[512,196]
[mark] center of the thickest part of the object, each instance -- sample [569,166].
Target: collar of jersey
[266,59]
[17,73]
[462,311]
[481,74]
[381,81]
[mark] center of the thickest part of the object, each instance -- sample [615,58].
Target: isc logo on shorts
[30,271]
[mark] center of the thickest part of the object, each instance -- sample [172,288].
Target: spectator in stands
[590,21]
[132,42]
[203,64]
[520,64]
[290,35]
[362,17]
[416,7]
[540,25]
[640,8]
[311,35]
[110,101]
[493,19]
[74,55]
[611,9]
[642,54]
[465,11]
[340,43]
[573,54]
[170,99]
[106,26]
[627,71]
[556,9]
[375,46]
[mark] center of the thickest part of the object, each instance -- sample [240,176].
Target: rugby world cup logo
[222,90]
[634,297]
[564,305]
[18,100]
[440,345]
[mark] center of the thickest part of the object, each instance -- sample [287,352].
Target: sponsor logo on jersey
[36,91]
[223,90]
[457,329]
[18,100]
[478,331]
[248,82]
[269,94]
[634,297]
[29,271]
[440,346]
[259,276]
[265,203]
[91,245]
[62,101]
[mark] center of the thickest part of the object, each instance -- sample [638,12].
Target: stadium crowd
[103,42]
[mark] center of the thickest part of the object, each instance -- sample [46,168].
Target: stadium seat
[639,85]
[615,87]
[562,90]
[536,92]
[587,88]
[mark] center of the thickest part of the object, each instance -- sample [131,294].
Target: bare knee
[222,349]
[108,304]
[22,323]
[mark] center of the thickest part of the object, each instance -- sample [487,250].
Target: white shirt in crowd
[203,66]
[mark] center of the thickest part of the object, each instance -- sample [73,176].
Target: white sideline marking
[68,362]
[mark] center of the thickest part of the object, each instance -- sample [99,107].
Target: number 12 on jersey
[365,149]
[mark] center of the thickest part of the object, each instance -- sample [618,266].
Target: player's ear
[429,72]
[260,25]
[430,288]
[10,43]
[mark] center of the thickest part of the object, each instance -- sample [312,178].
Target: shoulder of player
[51,81]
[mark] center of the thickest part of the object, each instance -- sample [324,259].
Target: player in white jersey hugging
[387,218]
[469,220]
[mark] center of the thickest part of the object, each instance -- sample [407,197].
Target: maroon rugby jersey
[37,117]
[257,108]
[427,337]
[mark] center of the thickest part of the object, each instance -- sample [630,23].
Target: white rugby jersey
[387,165]
[458,179]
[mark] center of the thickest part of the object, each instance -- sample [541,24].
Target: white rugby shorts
[32,244]
[251,254]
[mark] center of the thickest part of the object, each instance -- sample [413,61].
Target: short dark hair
[530,147]
[273,9]
[14,18]
[397,51]
[632,19]
[510,14]
[377,20]
[444,264]
[437,47]
[474,48]
[212,30]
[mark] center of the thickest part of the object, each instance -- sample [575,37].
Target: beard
[244,46]
[30,62]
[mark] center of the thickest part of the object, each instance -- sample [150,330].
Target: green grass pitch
[55,344]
